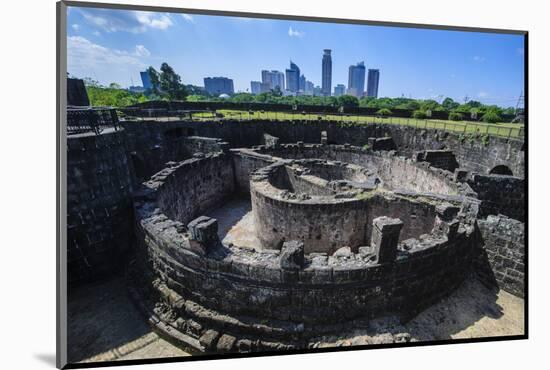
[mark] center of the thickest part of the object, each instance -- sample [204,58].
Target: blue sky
[114,45]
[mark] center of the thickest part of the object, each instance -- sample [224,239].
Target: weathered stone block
[209,339]
[292,255]
[204,230]
[226,343]
[385,237]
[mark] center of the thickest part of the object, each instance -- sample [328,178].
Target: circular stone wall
[203,293]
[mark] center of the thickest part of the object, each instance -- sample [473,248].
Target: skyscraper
[339,90]
[255,87]
[309,88]
[326,73]
[274,79]
[302,87]
[372,82]
[278,79]
[356,79]
[266,77]
[146,80]
[293,78]
[218,85]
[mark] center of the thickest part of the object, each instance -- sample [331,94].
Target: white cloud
[478,58]
[96,33]
[295,33]
[89,59]
[188,18]
[83,54]
[153,20]
[482,94]
[128,21]
[141,51]
[75,27]
[520,51]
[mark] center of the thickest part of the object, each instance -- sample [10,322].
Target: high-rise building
[302,87]
[255,87]
[278,80]
[146,80]
[266,77]
[309,88]
[265,87]
[356,79]
[372,82]
[317,91]
[293,78]
[326,73]
[274,79]
[218,85]
[339,90]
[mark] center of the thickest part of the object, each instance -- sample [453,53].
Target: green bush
[419,114]
[456,116]
[491,117]
[384,112]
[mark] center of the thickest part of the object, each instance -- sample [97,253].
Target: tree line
[166,85]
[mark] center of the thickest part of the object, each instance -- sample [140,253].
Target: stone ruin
[343,233]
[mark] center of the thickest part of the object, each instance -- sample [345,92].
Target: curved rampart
[283,299]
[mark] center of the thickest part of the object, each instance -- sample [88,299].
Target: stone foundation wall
[152,145]
[444,159]
[249,294]
[323,226]
[195,185]
[418,215]
[396,172]
[472,153]
[500,194]
[500,257]
[99,209]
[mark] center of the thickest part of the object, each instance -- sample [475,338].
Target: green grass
[466,127]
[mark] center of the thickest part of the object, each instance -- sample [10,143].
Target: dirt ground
[104,325]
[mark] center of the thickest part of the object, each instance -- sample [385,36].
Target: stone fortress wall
[99,204]
[471,153]
[280,299]
[423,227]
[500,194]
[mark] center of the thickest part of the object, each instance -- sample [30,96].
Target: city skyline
[115,45]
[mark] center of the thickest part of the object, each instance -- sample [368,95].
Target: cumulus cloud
[141,51]
[188,18]
[89,59]
[82,54]
[477,58]
[129,21]
[75,27]
[295,33]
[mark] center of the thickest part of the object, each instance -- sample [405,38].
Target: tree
[449,104]
[456,116]
[90,82]
[170,83]
[491,117]
[347,101]
[384,112]
[277,91]
[154,77]
[419,114]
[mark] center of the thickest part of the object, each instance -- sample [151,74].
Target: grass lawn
[504,129]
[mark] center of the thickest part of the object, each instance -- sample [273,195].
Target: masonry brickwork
[349,230]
